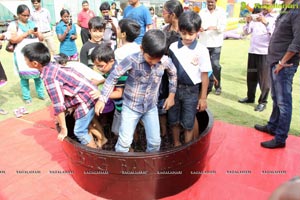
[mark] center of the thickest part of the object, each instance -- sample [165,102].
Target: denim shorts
[160,104]
[185,108]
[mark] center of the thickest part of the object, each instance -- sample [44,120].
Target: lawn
[224,107]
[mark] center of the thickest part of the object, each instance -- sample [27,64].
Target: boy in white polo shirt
[193,64]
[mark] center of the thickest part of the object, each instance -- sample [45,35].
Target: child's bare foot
[92,144]
[177,144]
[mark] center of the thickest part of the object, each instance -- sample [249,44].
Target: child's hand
[99,107]
[62,134]
[202,105]
[169,103]
[95,94]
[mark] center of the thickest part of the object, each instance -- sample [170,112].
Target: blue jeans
[81,127]
[281,92]
[129,120]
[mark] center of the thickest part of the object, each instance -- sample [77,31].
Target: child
[193,64]
[141,90]
[104,60]
[67,89]
[128,31]
[96,29]
[95,129]
[66,34]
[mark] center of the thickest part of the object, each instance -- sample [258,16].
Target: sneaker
[17,113]
[28,101]
[42,98]
[218,91]
[3,112]
[23,110]
[2,83]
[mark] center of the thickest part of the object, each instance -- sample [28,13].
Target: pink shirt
[260,34]
[84,17]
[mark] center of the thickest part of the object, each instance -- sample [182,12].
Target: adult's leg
[85,35]
[251,76]
[263,78]
[283,82]
[215,54]
[49,40]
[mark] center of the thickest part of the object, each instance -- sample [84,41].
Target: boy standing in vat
[193,64]
[145,70]
[66,89]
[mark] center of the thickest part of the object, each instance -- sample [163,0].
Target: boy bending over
[66,89]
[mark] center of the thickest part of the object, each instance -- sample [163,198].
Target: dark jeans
[281,92]
[85,35]
[2,73]
[258,72]
[215,54]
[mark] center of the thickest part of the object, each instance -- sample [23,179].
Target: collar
[191,46]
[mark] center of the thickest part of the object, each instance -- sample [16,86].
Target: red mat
[238,168]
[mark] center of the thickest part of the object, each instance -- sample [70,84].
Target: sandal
[3,112]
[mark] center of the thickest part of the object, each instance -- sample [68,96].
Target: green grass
[224,107]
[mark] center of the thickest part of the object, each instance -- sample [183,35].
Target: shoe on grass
[3,112]
[17,113]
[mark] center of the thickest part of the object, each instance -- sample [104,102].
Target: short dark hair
[154,43]
[189,21]
[131,28]
[103,52]
[97,23]
[38,52]
[84,2]
[104,6]
[174,6]
[32,1]
[21,8]
[61,58]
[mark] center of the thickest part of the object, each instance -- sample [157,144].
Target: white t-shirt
[126,50]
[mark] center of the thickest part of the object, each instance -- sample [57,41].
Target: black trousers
[2,73]
[215,54]
[85,35]
[258,72]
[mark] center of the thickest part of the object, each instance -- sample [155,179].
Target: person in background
[96,29]
[66,34]
[110,33]
[141,14]
[83,18]
[211,35]
[113,10]
[22,32]
[261,27]
[42,19]
[154,17]
[283,59]
[3,78]
[128,30]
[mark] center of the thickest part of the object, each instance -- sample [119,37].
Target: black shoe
[263,129]
[272,144]
[246,100]
[260,107]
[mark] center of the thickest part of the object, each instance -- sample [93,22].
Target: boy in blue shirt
[145,70]
[193,64]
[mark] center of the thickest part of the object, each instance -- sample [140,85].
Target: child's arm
[202,104]
[63,127]
[117,93]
